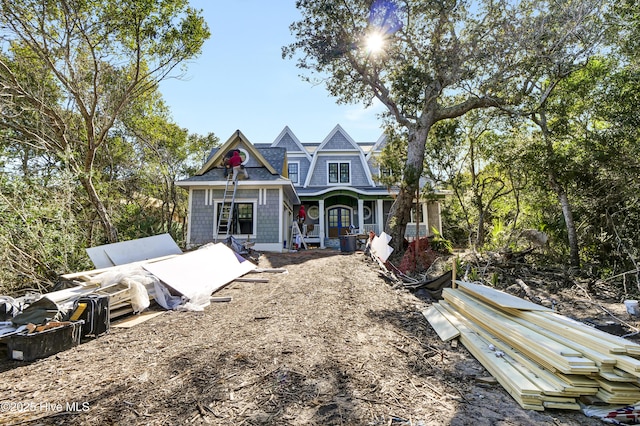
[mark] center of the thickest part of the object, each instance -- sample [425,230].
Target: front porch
[343,214]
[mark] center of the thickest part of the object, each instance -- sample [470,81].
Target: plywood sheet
[197,274]
[133,251]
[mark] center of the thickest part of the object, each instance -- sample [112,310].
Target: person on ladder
[235,162]
[302,218]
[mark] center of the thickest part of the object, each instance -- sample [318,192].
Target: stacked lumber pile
[543,359]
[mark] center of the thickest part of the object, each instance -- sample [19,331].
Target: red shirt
[235,160]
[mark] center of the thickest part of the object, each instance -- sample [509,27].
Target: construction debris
[94,298]
[543,359]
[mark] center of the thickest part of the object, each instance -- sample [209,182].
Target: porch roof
[377,192]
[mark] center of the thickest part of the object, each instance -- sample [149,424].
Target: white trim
[380,215]
[374,192]
[254,183]
[322,231]
[360,214]
[376,146]
[190,202]
[366,216]
[312,209]
[338,129]
[246,155]
[339,163]
[287,130]
[270,247]
[236,202]
[297,163]
[281,217]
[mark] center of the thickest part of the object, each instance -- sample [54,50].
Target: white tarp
[197,274]
[125,252]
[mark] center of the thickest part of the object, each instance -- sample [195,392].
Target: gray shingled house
[335,180]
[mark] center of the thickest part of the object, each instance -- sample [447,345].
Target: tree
[164,153]
[440,60]
[69,69]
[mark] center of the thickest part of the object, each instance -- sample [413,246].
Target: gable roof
[380,143]
[330,139]
[325,145]
[288,140]
[236,139]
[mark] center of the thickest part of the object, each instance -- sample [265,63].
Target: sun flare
[374,43]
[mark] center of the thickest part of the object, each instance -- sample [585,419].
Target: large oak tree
[438,60]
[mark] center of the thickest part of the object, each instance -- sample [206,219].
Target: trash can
[347,243]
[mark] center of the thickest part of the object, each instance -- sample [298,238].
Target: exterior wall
[357,171]
[201,219]
[373,166]
[268,217]
[288,143]
[303,169]
[203,212]
[338,141]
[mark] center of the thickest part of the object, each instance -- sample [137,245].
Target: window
[413,214]
[242,220]
[313,212]
[339,173]
[366,212]
[385,172]
[244,155]
[292,170]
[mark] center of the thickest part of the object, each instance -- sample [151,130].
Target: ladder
[225,216]
[295,231]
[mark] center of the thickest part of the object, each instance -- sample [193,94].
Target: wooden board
[133,320]
[445,330]
[550,353]
[498,298]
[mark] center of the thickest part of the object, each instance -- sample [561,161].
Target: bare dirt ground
[330,342]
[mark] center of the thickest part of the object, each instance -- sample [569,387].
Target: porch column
[321,219]
[425,217]
[379,216]
[361,215]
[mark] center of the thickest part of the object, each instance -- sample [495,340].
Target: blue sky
[241,81]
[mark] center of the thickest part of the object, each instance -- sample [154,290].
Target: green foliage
[71,70]
[392,158]
[41,234]
[440,244]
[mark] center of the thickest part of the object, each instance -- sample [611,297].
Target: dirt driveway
[329,342]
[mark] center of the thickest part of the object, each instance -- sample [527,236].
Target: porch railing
[375,227]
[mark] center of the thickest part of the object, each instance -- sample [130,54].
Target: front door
[339,220]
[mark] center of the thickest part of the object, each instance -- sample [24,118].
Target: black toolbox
[28,347]
[93,309]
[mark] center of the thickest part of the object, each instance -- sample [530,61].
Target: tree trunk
[110,231]
[563,198]
[567,212]
[400,213]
